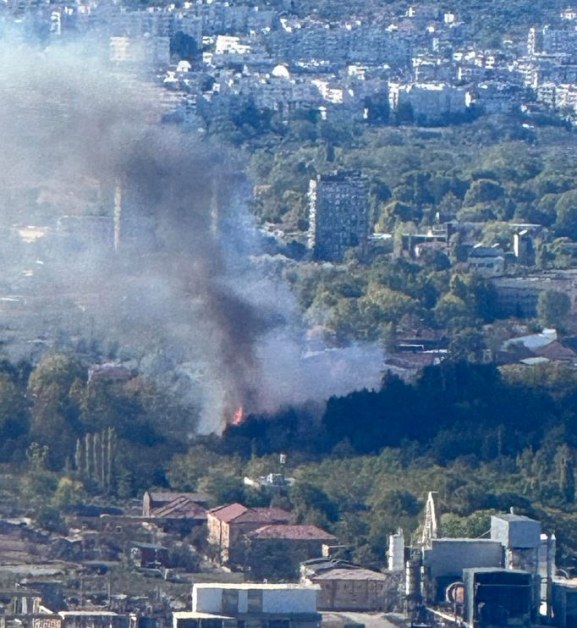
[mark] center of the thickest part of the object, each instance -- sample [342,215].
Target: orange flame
[238,416]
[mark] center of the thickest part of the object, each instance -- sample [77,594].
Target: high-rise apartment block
[338,214]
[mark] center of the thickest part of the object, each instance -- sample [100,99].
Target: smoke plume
[137,225]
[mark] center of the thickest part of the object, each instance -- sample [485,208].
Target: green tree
[553,308]
[14,417]
[312,505]
[565,459]
[186,470]
[451,310]
[55,411]
[393,213]
[184,46]
[223,487]
[390,305]
[389,337]
[474,525]
[467,344]
[566,221]
[484,191]
[95,458]
[39,483]
[69,493]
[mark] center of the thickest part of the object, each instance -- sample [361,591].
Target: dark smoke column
[178,191]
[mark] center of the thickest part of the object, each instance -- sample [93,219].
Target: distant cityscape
[423,65]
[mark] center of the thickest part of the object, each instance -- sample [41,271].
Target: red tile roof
[555,351]
[229,512]
[273,515]
[292,533]
[180,508]
[241,514]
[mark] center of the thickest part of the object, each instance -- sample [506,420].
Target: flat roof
[464,540]
[253,585]
[496,570]
[194,615]
[513,517]
[87,613]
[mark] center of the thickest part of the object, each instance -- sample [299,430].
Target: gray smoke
[174,295]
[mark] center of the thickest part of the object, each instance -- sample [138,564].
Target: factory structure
[506,578]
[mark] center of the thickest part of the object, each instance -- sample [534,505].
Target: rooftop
[251,586]
[168,496]
[513,517]
[339,573]
[292,532]
[239,513]
[464,540]
[180,508]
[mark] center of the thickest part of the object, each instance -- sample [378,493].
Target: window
[255,601]
[230,601]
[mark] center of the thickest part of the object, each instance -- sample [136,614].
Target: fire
[238,416]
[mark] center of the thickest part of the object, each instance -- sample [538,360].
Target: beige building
[350,588]
[96,619]
[228,524]
[275,551]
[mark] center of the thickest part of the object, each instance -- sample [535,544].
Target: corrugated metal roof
[164,497]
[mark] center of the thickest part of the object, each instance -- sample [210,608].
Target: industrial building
[258,605]
[445,561]
[348,587]
[507,579]
[498,597]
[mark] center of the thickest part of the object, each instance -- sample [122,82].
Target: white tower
[396,553]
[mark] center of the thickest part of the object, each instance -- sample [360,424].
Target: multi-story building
[338,214]
[519,296]
[228,524]
[275,551]
[488,261]
[494,97]
[551,40]
[428,102]
[150,51]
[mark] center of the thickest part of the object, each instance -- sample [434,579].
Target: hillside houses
[432,65]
